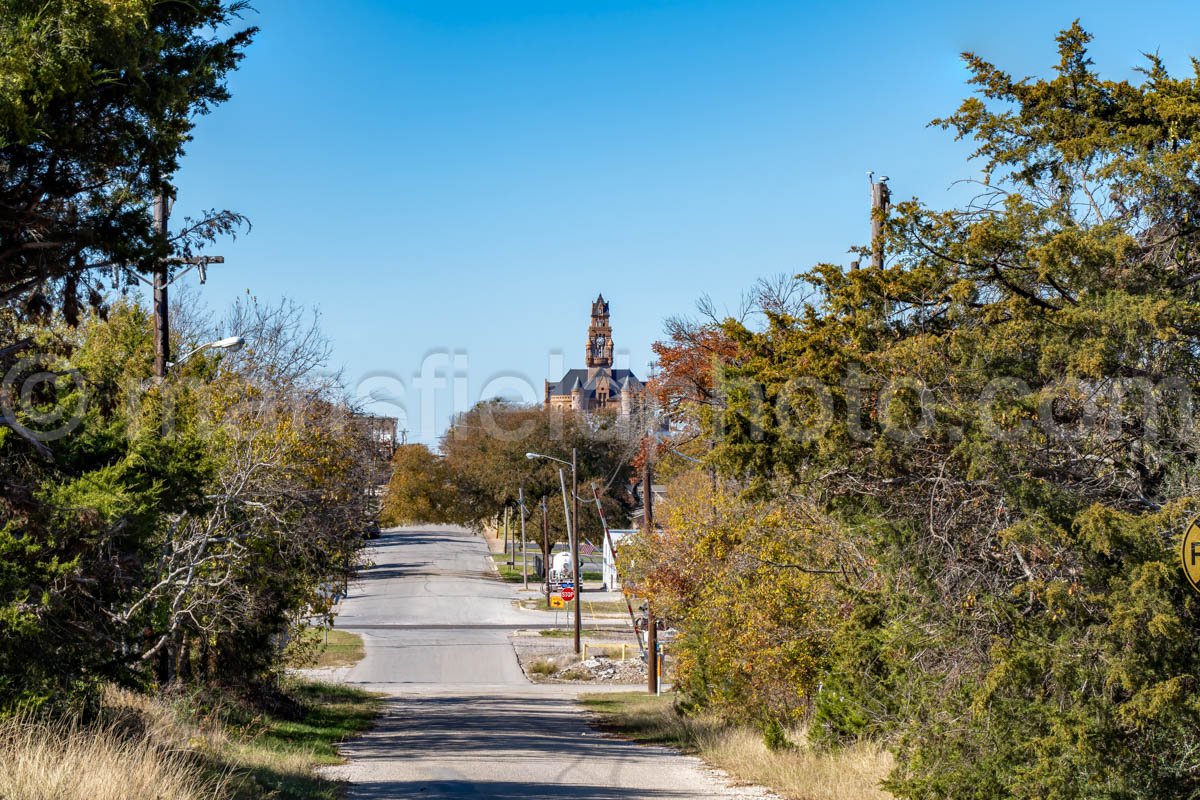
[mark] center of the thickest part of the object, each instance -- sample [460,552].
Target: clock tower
[599,343]
[597,387]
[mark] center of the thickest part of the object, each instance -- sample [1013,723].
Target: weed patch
[770,758]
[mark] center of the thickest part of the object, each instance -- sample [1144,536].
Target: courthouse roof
[586,381]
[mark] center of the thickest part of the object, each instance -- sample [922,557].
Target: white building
[612,581]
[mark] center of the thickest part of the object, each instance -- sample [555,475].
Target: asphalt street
[462,721]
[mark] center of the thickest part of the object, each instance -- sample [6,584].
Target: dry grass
[161,721]
[615,651]
[45,761]
[543,666]
[801,773]
[151,748]
[852,773]
[322,648]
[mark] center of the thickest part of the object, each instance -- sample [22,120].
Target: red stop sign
[568,593]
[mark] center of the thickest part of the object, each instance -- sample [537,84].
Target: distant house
[596,386]
[658,493]
[608,564]
[381,431]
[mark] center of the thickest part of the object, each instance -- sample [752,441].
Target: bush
[775,736]
[543,666]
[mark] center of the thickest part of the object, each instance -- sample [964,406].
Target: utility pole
[546,551]
[571,512]
[524,556]
[162,331]
[648,530]
[161,279]
[647,490]
[651,651]
[881,198]
[575,551]
[507,511]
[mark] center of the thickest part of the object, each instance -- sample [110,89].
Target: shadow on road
[467,723]
[461,727]
[502,790]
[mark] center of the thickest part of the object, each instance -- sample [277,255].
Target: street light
[228,343]
[572,534]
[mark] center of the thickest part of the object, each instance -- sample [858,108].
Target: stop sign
[568,593]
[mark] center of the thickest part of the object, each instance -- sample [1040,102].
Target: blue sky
[451,183]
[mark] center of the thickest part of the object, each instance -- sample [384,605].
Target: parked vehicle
[560,567]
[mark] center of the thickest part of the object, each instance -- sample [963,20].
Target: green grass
[331,714]
[539,604]
[274,755]
[511,574]
[589,606]
[641,717]
[333,648]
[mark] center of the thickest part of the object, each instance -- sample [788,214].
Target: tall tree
[97,102]
[999,419]
[419,489]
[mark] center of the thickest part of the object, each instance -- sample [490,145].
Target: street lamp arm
[228,343]
[552,458]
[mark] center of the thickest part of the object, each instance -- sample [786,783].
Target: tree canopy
[182,527]
[97,103]
[991,439]
[482,466]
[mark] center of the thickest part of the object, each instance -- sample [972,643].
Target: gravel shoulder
[551,659]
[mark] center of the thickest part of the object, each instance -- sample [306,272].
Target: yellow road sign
[557,602]
[1189,554]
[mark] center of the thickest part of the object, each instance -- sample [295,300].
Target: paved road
[438,577]
[462,721]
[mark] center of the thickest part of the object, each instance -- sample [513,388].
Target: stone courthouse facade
[598,386]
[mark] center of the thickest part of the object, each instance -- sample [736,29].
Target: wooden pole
[881,197]
[651,652]
[162,354]
[647,491]
[524,555]
[162,330]
[648,530]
